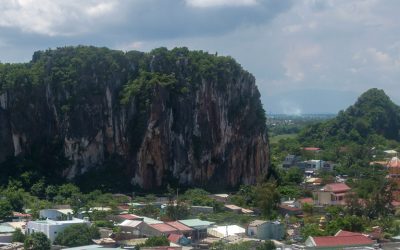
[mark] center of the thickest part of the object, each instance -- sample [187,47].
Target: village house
[237,209]
[51,228]
[195,210]
[291,161]
[225,231]
[159,229]
[331,194]
[393,167]
[341,240]
[266,230]
[179,239]
[220,197]
[182,229]
[17,216]
[131,229]
[199,227]
[56,214]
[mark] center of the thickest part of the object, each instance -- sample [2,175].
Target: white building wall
[50,228]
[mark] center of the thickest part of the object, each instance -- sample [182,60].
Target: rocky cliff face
[187,117]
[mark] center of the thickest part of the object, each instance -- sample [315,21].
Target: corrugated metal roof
[131,223]
[179,226]
[196,223]
[165,228]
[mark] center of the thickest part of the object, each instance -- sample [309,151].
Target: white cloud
[293,28]
[219,3]
[53,18]
[298,59]
[100,8]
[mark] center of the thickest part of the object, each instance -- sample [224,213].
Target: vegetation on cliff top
[78,78]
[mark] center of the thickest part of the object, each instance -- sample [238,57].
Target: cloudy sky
[308,56]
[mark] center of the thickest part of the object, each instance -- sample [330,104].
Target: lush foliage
[155,241]
[18,236]
[37,241]
[373,117]
[245,245]
[5,209]
[79,77]
[77,235]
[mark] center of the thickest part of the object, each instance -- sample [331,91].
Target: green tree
[311,229]
[51,191]
[179,211]
[268,198]
[5,209]
[294,175]
[380,202]
[37,241]
[18,236]
[267,245]
[156,241]
[77,235]
[38,189]
[149,210]
[308,208]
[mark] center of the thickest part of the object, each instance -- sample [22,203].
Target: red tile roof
[128,216]
[18,214]
[311,149]
[353,240]
[179,226]
[174,237]
[337,187]
[164,228]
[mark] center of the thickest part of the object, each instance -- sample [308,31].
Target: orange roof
[162,227]
[336,187]
[394,163]
[352,240]
[311,149]
[128,216]
[174,237]
[179,226]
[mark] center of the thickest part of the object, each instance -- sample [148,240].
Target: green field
[276,138]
